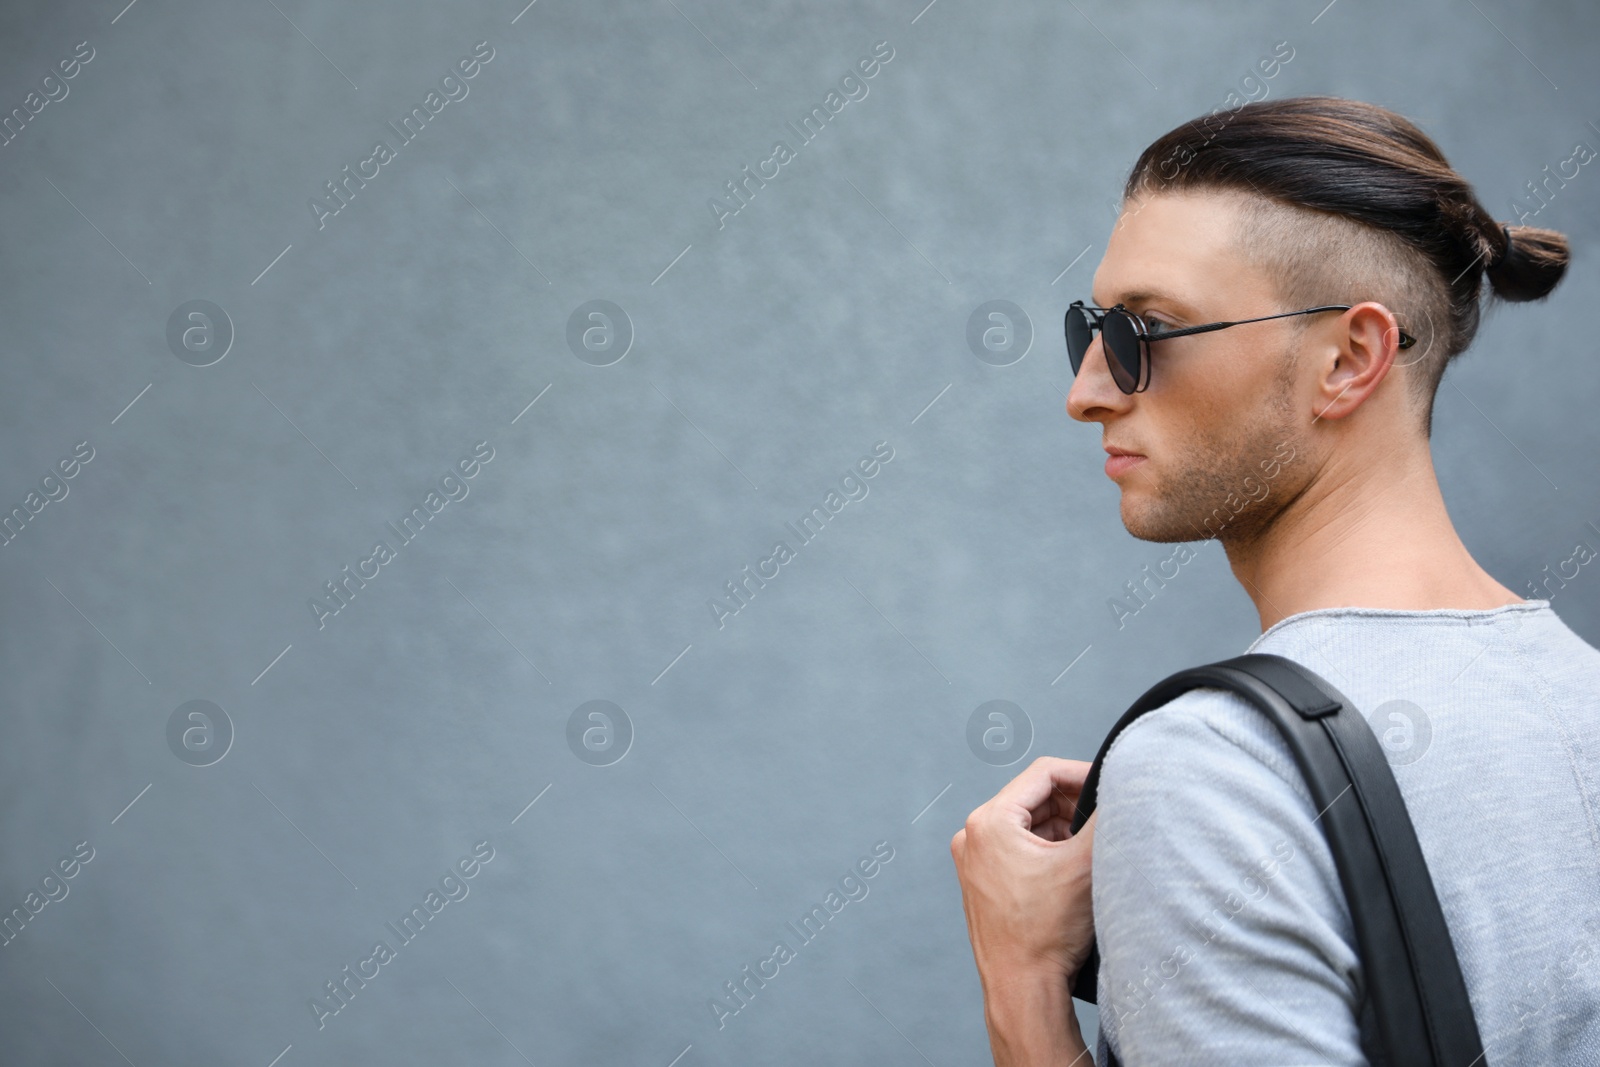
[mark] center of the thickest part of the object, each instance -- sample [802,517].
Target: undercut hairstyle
[1345,201]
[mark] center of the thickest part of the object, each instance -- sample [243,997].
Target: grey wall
[764,359]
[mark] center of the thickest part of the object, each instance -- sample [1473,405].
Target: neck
[1364,534]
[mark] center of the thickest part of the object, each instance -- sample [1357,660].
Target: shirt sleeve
[1224,933]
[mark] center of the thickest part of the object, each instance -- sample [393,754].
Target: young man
[1301,441]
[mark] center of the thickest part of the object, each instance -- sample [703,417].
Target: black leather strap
[1408,960]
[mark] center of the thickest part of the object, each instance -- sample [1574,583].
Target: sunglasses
[1126,338]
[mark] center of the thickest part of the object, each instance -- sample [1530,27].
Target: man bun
[1527,262]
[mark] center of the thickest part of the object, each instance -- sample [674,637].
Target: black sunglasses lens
[1120,339]
[1079,335]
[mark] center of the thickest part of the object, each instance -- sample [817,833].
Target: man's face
[1218,427]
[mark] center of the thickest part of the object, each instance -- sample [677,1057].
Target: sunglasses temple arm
[1240,322]
[1187,330]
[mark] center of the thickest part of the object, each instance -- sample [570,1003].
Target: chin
[1153,519]
[1160,533]
[1136,516]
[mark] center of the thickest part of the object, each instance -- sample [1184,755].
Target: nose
[1094,396]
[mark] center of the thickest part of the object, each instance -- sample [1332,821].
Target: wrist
[1031,1020]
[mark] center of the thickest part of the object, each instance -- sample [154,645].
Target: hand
[1025,887]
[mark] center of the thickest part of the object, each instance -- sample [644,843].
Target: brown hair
[1348,201]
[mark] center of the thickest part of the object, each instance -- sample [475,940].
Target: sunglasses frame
[1096,318]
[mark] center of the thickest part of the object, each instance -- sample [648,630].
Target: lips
[1120,460]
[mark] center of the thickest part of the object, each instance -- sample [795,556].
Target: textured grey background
[828,315]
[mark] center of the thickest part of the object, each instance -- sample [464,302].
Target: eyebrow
[1144,296]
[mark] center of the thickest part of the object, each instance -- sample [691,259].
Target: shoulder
[1202,789]
[1207,849]
[1205,738]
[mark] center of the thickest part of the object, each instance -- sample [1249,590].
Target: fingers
[1048,789]
[1054,829]
[1043,800]
[1058,827]
[1044,776]
[1058,805]
[1083,839]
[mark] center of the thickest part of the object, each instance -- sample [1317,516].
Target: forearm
[1032,1023]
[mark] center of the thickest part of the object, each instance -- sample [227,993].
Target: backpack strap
[1408,960]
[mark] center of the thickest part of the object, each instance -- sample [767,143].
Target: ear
[1365,343]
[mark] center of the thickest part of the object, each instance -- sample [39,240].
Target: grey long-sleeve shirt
[1224,933]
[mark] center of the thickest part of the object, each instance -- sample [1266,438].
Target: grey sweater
[1224,933]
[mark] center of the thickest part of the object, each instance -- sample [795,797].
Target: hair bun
[1503,251]
[1528,264]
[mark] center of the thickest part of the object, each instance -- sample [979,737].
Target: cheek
[1204,372]
[1179,425]
[1216,392]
